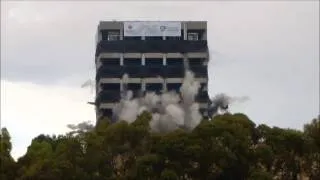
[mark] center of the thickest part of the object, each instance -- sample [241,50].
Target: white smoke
[169,110]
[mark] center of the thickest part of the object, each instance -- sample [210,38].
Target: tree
[39,154]
[229,146]
[7,164]
[312,159]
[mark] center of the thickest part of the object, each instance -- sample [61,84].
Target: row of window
[114,96]
[149,86]
[112,35]
[148,71]
[151,61]
[162,46]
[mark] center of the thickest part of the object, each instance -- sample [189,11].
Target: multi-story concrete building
[154,54]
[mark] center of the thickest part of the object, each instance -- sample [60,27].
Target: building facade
[154,54]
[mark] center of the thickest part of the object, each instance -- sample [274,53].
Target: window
[174,72]
[154,62]
[197,61]
[113,36]
[106,112]
[110,61]
[153,37]
[155,87]
[110,72]
[202,97]
[199,71]
[173,38]
[174,61]
[132,38]
[109,96]
[111,86]
[134,86]
[132,61]
[173,87]
[193,36]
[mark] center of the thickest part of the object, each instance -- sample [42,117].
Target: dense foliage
[229,147]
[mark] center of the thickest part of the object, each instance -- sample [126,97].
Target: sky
[267,50]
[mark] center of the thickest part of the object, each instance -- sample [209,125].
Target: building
[153,53]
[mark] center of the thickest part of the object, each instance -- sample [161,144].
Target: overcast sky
[268,51]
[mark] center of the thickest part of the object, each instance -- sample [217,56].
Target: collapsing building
[135,58]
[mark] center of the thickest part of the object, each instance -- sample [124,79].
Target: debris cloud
[170,110]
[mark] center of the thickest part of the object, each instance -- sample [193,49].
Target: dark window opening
[197,61]
[155,87]
[108,97]
[109,72]
[202,97]
[134,86]
[154,62]
[110,61]
[132,38]
[106,112]
[151,46]
[153,71]
[132,62]
[174,37]
[174,61]
[153,38]
[174,72]
[174,87]
[199,71]
[134,71]
[110,86]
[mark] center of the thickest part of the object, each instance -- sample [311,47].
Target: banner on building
[151,28]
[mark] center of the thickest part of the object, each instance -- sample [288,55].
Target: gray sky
[268,51]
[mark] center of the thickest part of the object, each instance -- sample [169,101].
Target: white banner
[151,28]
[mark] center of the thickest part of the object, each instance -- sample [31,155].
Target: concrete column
[164,59]
[143,59]
[164,85]
[121,59]
[143,85]
[185,61]
[185,31]
[121,85]
[121,32]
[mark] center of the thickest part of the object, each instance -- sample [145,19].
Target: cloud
[28,110]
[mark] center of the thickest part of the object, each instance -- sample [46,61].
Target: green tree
[230,146]
[7,164]
[312,159]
